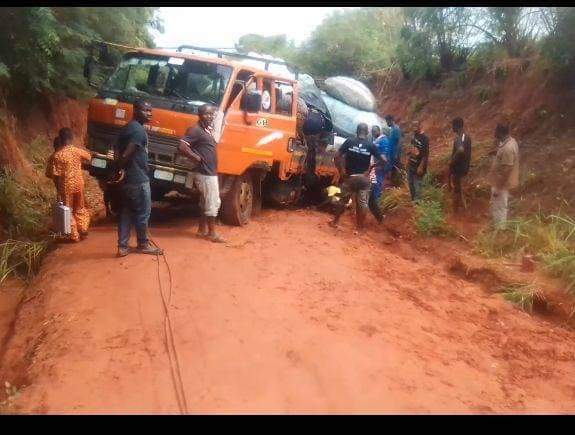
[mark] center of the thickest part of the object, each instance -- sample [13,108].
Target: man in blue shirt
[383,144]
[394,141]
[131,152]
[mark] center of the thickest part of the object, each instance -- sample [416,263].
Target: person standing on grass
[199,146]
[417,158]
[357,153]
[65,168]
[394,144]
[131,152]
[459,163]
[504,174]
[375,178]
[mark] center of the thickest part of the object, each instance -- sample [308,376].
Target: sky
[220,27]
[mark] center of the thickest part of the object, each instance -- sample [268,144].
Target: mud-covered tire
[237,205]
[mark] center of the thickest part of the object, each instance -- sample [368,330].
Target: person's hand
[420,172]
[450,182]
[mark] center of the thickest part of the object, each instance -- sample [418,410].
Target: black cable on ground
[171,349]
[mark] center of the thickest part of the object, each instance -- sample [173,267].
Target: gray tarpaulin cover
[351,92]
[345,118]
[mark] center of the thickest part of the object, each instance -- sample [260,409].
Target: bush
[25,209]
[484,94]
[430,210]
[523,295]
[392,199]
[20,258]
[430,218]
[559,46]
[417,105]
[552,238]
[25,206]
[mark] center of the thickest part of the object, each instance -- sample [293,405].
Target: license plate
[99,163]
[163,175]
[178,178]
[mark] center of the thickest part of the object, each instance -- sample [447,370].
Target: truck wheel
[237,205]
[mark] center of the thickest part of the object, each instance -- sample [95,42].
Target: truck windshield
[194,82]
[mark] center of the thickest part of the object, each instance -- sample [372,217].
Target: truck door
[258,137]
[286,106]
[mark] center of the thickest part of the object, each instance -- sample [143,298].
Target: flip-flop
[201,235]
[216,239]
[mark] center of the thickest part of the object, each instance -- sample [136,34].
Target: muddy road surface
[291,316]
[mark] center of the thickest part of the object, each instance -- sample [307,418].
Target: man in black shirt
[459,164]
[199,146]
[131,153]
[355,175]
[417,158]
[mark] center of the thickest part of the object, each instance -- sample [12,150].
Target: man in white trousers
[504,174]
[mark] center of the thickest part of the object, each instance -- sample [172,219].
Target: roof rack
[222,53]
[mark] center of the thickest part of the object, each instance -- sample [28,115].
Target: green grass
[430,218]
[393,198]
[20,258]
[523,295]
[552,238]
[38,152]
[25,213]
[25,206]
[562,265]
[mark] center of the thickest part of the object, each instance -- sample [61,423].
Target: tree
[559,45]
[443,30]
[277,45]
[354,42]
[43,48]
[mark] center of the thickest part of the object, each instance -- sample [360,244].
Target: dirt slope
[292,316]
[523,92]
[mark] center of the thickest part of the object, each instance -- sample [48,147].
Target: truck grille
[162,149]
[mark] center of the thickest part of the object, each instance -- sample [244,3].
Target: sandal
[216,239]
[151,250]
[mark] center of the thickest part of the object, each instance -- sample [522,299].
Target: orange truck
[261,152]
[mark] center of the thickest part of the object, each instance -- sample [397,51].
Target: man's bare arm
[123,160]
[186,150]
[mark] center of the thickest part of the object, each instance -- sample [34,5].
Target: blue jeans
[377,188]
[136,209]
[414,184]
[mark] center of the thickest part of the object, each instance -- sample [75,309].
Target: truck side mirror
[251,102]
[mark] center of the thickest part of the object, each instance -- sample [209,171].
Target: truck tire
[238,204]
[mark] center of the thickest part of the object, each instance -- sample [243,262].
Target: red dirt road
[292,316]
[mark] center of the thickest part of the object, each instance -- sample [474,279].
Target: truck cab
[259,147]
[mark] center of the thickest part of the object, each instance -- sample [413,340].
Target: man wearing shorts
[357,152]
[199,146]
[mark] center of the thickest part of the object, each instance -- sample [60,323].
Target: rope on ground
[169,343]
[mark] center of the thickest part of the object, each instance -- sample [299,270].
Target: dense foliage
[42,49]
[424,42]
